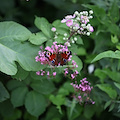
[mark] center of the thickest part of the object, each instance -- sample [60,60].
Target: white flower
[65,34]
[67,44]
[64,38]
[76,12]
[73,41]
[88,33]
[75,38]
[91,11]
[91,68]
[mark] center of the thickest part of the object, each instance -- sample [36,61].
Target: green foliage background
[24,26]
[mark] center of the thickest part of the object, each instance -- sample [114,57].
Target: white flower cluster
[79,22]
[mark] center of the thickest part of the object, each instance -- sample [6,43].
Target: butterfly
[61,58]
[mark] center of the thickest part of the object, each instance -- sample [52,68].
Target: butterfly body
[59,58]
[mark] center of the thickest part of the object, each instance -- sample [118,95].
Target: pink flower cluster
[44,60]
[53,49]
[83,91]
[42,73]
[75,73]
[79,22]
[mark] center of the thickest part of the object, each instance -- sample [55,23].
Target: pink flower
[54,74]
[69,23]
[42,73]
[76,72]
[72,76]
[53,29]
[38,72]
[84,19]
[49,49]
[91,29]
[48,73]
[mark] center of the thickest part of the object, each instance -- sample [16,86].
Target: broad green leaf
[114,13]
[13,31]
[117,85]
[13,84]
[15,116]
[57,100]
[3,93]
[53,114]
[59,39]
[113,28]
[21,74]
[89,111]
[23,53]
[38,38]
[62,31]
[6,108]
[43,86]
[57,23]
[35,103]
[63,91]
[81,51]
[107,54]
[18,96]
[44,26]
[79,40]
[108,89]
[112,74]
[100,74]
[68,87]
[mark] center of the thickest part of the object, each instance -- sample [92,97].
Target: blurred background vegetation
[24,12]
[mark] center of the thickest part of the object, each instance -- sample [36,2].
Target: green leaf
[68,87]
[78,62]
[113,28]
[112,74]
[117,85]
[57,23]
[63,91]
[6,108]
[114,39]
[57,100]
[13,84]
[21,74]
[13,31]
[18,96]
[107,104]
[35,103]
[38,38]
[108,89]
[99,73]
[114,12]
[89,111]
[43,86]
[62,31]
[79,40]
[44,26]
[23,53]
[98,11]
[111,107]
[107,54]
[3,93]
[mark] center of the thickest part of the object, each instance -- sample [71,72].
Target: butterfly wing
[52,58]
[64,57]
